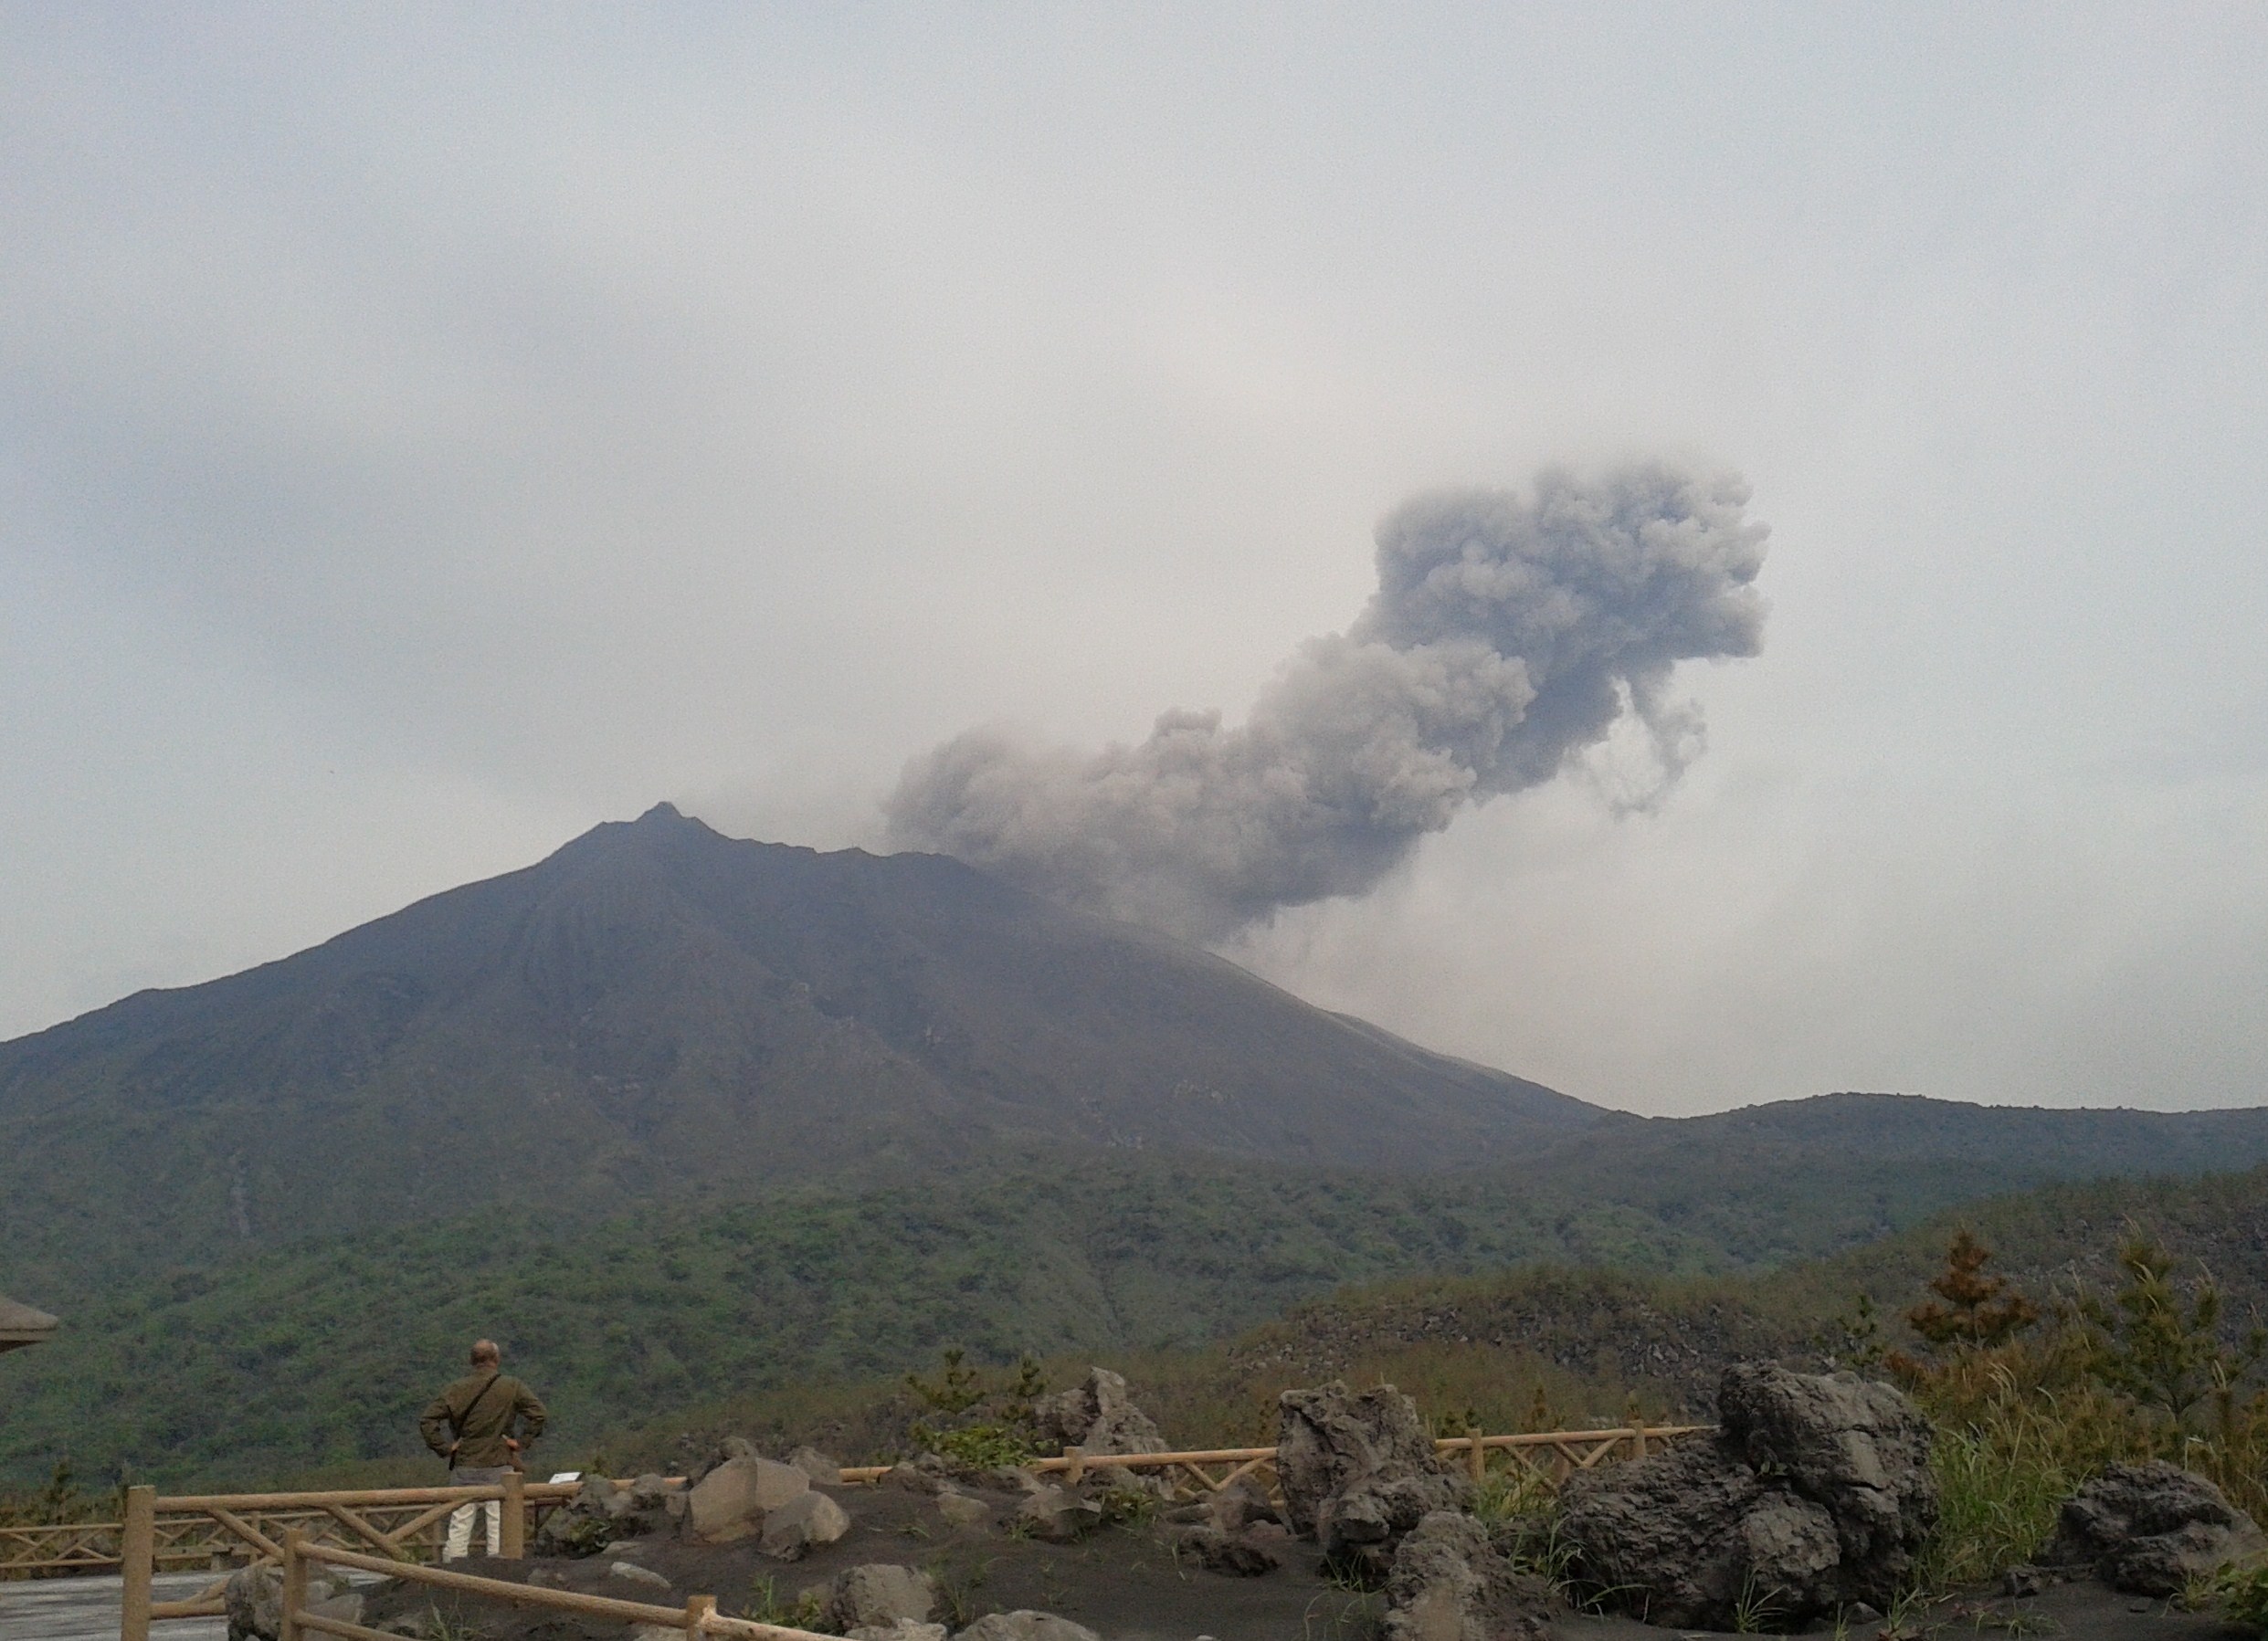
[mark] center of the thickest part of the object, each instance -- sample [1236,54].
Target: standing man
[470,1425]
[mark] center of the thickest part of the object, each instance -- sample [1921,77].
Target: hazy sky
[425,432]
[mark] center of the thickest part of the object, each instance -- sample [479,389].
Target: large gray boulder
[1816,1494]
[2152,1529]
[601,1513]
[254,1595]
[722,1450]
[878,1595]
[1026,1626]
[961,1511]
[804,1522]
[1098,1415]
[822,1467]
[1452,1581]
[1358,1471]
[731,1501]
[1058,1516]
[1247,1554]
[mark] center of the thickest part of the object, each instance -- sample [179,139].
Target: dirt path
[86,1609]
[2073,1612]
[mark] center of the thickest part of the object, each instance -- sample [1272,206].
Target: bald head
[486,1354]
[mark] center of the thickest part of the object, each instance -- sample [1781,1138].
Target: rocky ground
[1805,1512]
[1128,1583]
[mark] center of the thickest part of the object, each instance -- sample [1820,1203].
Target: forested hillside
[322,1355]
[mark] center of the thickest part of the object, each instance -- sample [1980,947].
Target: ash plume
[1509,634]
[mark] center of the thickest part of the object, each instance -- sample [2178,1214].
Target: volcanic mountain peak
[655,1007]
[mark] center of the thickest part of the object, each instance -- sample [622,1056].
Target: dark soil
[2082,1611]
[1128,1583]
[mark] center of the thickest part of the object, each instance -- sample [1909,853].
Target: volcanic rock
[2152,1529]
[1358,1471]
[731,1501]
[1816,1494]
[879,1593]
[1452,1581]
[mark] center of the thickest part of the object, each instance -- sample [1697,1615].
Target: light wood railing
[403,1525]
[1554,1453]
[698,1618]
[399,1523]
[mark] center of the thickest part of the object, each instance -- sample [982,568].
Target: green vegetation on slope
[321,1355]
[797,1312]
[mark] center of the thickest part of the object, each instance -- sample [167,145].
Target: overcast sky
[425,432]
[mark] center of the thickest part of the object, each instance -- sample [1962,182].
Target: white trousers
[461,1520]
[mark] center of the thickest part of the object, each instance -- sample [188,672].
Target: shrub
[2243,1592]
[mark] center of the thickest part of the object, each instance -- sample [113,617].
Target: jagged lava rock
[1026,1626]
[961,1511]
[1358,1471]
[254,1597]
[1098,1415]
[1452,1581]
[805,1520]
[879,1593]
[731,1501]
[2151,1529]
[1816,1494]
[1058,1516]
[821,1469]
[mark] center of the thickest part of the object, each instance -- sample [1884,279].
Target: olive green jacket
[467,1423]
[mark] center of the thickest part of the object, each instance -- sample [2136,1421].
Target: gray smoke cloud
[1509,634]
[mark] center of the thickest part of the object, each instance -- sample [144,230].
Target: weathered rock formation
[2151,1529]
[1814,1495]
[803,1521]
[1026,1626]
[1098,1415]
[732,1501]
[1452,1581]
[602,1513]
[1058,1516]
[819,1466]
[1358,1471]
[878,1595]
[254,1595]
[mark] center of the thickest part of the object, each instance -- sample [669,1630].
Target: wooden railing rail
[208,1527]
[1557,1452]
[193,1530]
[698,1618]
[397,1522]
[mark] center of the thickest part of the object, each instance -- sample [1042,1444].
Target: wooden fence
[698,1618]
[195,1532]
[1554,1454]
[404,1525]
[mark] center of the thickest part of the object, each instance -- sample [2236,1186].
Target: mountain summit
[658,1008]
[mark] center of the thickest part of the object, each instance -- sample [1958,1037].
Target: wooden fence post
[1476,1459]
[515,1533]
[137,1555]
[1074,1465]
[1638,1442]
[699,1609]
[294,1585]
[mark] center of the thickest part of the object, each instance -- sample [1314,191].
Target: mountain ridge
[657,1011]
[655,1008]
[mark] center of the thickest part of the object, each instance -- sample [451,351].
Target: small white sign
[568,1476]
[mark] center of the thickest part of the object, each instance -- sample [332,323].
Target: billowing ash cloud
[1508,633]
